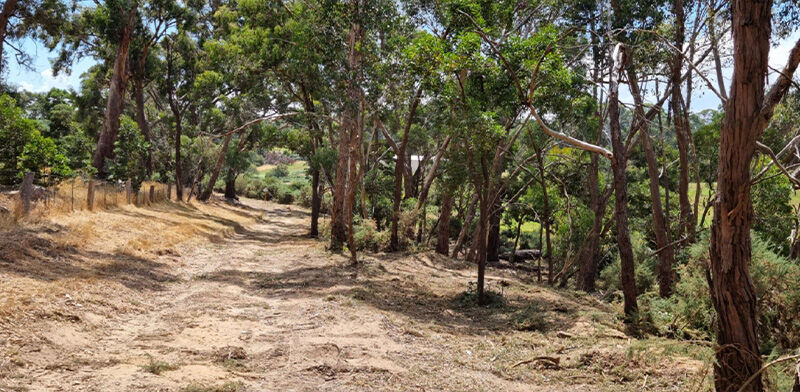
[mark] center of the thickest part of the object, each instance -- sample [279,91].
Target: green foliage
[24,149]
[130,151]
[41,154]
[689,313]
[774,218]
[644,269]
[280,171]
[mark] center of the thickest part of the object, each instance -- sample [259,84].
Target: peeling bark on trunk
[116,99]
[732,290]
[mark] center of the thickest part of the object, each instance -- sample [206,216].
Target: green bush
[130,152]
[280,171]
[689,313]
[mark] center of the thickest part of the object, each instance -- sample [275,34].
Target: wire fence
[75,194]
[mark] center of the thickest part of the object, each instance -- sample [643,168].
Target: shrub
[280,171]
[367,237]
[130,152]
[689,312]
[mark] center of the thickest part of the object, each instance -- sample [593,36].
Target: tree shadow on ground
[25,253]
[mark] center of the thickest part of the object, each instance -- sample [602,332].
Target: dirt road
[266,309]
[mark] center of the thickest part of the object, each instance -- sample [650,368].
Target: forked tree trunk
[116,99]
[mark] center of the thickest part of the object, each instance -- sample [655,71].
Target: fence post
[152,194]
[25,192]
[128,191]
[90,195]
[72,195]
[169,191]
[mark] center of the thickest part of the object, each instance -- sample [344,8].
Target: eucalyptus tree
[112,32]
[748,108]
[179,57]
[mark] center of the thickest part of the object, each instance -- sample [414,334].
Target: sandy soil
[235,298]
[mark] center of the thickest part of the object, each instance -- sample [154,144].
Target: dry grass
[71,196]
[91,254]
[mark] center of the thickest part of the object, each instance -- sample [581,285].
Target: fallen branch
[552,361]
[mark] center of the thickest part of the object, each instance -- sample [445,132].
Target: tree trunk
[443,241]
[141,120]
[679,120]
[346,175]
[178,163]
[9,7]
[462,235]
[316,203]
[215,174]
[116,99]
[230,184]
[618,164]
[666,257]
[516,241]
[732,292]
[400,171]
[587,270]
[483,223]
[545,216]
[493,243]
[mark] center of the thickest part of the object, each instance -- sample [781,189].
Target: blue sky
[41,78]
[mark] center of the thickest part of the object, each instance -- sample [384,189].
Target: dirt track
[265,309]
